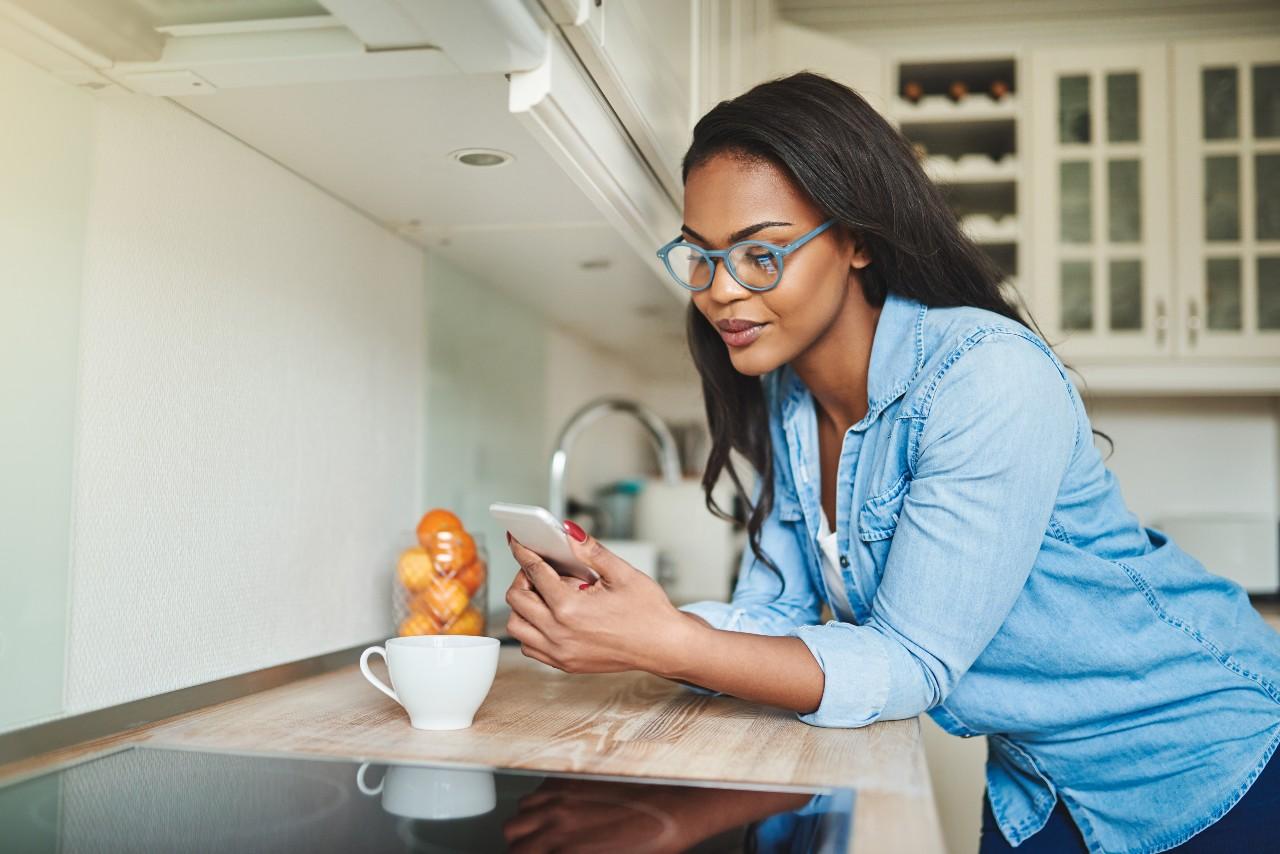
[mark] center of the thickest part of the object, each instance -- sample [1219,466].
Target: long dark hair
[857,168]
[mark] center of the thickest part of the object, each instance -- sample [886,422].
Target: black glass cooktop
[143,799]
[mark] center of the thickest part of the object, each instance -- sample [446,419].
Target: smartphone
[538,530]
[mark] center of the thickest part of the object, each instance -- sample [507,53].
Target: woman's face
[725,196]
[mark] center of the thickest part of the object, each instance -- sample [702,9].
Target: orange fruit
[443,599]
[450,551]
[471,576]
[415,569]
[419,624]
[469,622]
[436,520]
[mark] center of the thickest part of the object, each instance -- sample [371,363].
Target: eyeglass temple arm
[791,247]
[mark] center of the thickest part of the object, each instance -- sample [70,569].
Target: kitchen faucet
[664,441]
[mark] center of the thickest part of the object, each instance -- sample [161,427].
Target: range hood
[373,100]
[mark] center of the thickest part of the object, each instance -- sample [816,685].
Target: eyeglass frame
[778,252]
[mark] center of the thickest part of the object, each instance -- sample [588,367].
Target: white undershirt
[831,571]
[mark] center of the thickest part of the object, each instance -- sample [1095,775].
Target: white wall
[44,188]
[1193,455]
[860,67]
[251,365]
[237,395]
[614,447]
[246,361]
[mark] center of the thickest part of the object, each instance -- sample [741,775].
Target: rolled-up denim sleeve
[998,432]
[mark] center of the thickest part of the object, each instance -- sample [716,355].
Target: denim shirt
[1000,584]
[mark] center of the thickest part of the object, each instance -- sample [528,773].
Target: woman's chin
[751,361]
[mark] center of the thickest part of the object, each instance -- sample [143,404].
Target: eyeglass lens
[753,264]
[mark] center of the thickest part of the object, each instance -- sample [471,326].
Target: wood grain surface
[539,718]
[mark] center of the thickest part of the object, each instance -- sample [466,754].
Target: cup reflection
[421,792]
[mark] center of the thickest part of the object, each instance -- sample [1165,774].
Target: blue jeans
[1250,825]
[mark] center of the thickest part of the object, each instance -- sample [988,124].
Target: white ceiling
[523,227]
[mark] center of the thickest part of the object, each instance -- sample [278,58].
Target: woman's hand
[622,621]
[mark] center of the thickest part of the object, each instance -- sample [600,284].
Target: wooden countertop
[538,717]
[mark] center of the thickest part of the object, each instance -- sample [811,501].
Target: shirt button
[844,560]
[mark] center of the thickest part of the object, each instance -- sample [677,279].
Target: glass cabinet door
[1101,247]
[1228,209]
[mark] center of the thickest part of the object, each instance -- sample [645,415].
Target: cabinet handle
[1162,322]
[1193,320]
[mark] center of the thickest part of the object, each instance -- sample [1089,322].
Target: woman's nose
[724,287]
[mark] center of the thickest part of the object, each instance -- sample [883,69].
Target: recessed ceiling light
[482,156]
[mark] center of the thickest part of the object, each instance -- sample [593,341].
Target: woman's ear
[861,255]
[852,241]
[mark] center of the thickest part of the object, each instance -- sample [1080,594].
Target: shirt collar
[897,357]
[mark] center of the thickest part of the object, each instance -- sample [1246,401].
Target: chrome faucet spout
[663,440]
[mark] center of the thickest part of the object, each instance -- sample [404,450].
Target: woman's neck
[834,368]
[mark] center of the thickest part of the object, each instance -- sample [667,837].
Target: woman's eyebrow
[740,234]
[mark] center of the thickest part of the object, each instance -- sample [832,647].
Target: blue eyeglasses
[754,264]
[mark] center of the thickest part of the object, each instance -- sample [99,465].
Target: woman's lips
[743,337]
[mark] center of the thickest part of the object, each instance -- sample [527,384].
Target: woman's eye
[763,260]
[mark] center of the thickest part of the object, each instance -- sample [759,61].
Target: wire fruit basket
[441,584]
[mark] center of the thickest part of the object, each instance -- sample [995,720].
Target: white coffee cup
[440,680]
[426,792]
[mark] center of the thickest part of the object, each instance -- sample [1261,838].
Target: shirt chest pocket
[878,516]
[877,521]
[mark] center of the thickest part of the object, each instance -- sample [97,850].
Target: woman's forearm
[776,671]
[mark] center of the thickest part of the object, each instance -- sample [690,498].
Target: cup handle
[363,786]
[368,674]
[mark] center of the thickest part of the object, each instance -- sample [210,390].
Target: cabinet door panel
[1122,107]
[1101,247]
[1222,294]
[641,54]
[1227,159]
[1268,292]
[1222,197]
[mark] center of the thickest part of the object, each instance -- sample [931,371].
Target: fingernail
[575,531]
[508,538]
[583,586]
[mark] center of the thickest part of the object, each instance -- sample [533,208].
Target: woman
[982,565]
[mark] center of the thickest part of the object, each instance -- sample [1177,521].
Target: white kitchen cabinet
[1101,239]
[642,54]
[1158,234]
[1147,250]
[971,145]
[560,108]
[661,64]
[737,40]
[1228,197]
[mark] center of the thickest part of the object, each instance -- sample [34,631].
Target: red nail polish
[508,538]
[575,531]
[583,586]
